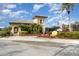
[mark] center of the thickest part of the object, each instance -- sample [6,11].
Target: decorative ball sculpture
[54,33]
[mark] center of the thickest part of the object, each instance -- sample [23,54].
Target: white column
[19,30]
[43,29]
[12,30]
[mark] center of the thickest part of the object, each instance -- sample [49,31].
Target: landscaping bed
[68,35]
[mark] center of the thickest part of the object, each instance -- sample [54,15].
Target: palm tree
[68,7]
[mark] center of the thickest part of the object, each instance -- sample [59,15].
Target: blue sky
[16,11]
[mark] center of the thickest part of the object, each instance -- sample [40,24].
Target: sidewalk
[39,39]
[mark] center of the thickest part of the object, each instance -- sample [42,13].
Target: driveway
[37,48]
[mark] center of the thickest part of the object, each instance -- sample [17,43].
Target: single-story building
[36,19]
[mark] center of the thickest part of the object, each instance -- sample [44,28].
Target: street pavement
[37,48]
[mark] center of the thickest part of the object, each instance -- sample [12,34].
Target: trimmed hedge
[4,33]
[32,28]
[69,35]
[23,32]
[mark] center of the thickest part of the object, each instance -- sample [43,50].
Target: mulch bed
[39,35]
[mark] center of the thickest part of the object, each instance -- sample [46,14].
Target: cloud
[36,7]
[51,19]
[54,7]
[57,19]
[66,20]
[6,11]
[14,14]
[57,12]
[18,13]
[64,12]
[1,18]
[9,6]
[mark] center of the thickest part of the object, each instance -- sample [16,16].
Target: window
[41,21]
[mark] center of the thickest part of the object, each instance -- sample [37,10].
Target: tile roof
[21,21]
[39,17]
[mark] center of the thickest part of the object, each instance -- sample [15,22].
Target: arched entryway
[15,30]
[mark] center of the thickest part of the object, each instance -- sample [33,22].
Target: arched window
[41,21]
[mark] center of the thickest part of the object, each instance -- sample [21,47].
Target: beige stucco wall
[12,30]
[37,21]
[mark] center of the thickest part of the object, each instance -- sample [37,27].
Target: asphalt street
[31,48]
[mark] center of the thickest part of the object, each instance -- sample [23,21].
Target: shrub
[32,28]
[23,32]
[5,32]
[2,34]
[69,35]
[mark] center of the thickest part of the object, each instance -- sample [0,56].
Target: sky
[25,11]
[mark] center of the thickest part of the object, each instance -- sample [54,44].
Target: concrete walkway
[39,39]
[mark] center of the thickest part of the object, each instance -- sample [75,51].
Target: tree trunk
[61,20]
[70,28]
